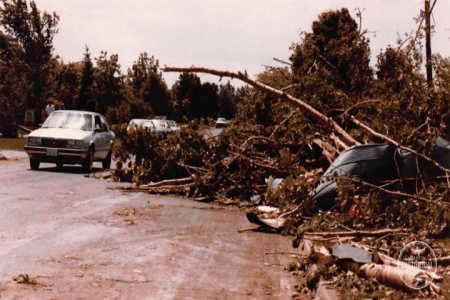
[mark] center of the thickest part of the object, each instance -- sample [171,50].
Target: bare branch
[365,183]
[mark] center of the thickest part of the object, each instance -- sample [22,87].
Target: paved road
[80,240]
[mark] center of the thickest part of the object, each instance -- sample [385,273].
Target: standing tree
[140,71]
[155,92]
[107,82]
[227,101]
[66,82]
[332,60]
[87,80]
[33,32]
[14,87]
[185,91]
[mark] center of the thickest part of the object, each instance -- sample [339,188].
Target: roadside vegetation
[15,144]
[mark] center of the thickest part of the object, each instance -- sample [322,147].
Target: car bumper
[63,155]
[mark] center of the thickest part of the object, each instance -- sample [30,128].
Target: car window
[104,125]
[98,123]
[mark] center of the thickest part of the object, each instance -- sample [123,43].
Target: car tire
[34,164]
[106,163]
[87,165]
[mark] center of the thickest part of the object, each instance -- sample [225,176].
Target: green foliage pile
[221,168]
[144,156]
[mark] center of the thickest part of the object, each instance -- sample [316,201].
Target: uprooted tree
[293,123]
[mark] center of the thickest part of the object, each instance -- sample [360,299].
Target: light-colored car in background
[174,126]
[71,137]
[136,122]
[221,122]
[158,126]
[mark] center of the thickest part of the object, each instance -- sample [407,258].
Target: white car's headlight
[34,141]
[76,144]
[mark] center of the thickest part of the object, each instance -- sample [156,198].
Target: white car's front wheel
[34,164]
[106,163]
[87,165]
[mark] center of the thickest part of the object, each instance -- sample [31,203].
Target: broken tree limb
[249,229]
[365,183]
[282,123]
[198,169]
[334,239]
[165,189]
[168,182]
[338,142]
[403,278]
[376,233]
[443,261]
[252,161]
[329,123]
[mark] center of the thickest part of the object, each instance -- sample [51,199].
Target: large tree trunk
[402,278]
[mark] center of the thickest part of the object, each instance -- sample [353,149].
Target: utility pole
[429,67]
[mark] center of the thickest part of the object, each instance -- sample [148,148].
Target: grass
[17,144]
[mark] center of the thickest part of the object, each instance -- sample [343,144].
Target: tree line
[32,76]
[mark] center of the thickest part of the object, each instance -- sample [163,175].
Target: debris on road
[24,279]
[373,191]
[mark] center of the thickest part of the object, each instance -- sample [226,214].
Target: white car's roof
[157,121]
[138,120]
[79,112]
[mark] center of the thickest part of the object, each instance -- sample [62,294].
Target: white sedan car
[221,122]
[71,137]
[158,126]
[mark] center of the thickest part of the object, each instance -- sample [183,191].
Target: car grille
[54,143]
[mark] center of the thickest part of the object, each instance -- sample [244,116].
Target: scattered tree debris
[25,279]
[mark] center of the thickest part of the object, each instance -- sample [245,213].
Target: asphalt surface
[76,238]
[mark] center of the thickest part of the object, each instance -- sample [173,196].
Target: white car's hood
[60,133]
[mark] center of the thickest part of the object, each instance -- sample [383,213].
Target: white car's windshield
[69,120]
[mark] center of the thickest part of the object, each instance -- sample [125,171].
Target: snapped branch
[329,123]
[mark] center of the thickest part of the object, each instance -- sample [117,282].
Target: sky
[234,35]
